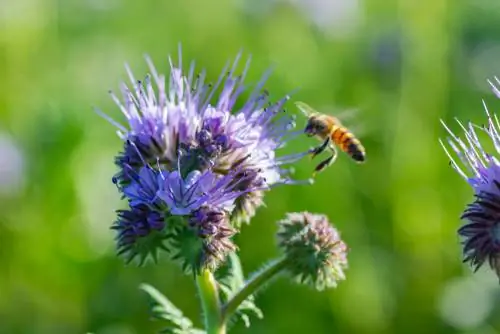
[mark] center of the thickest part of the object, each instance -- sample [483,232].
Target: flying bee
[330,130]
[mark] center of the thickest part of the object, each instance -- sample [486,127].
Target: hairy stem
[252,285]
[209,295]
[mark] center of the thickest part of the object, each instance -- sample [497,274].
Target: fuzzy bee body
[348,143]
[331,131]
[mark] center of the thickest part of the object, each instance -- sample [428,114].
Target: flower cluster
[193,165]
[316,255]
[481,169]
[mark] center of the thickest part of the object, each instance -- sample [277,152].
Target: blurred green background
[404,64]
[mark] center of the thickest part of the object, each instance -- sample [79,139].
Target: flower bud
[316,254]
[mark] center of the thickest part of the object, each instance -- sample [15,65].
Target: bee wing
[306,109]
[359,130]
[352,120]
[347,114]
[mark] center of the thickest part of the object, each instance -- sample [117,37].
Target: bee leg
[317,150]
[327,162]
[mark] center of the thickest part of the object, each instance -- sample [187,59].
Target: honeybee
[330,130]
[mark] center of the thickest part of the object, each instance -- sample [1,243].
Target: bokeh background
[402,64]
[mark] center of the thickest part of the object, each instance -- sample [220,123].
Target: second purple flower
[478,163]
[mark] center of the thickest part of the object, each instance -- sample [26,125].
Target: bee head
[314,127]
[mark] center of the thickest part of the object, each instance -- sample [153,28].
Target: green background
[402,64]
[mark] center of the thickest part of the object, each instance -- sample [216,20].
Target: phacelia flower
[481,169]
[190,152]
[316,254]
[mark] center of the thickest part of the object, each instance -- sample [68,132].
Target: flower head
[183,124]
[316,254]
[190,152]
[481,169]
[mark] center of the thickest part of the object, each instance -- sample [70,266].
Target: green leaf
[163,309]
[231,279]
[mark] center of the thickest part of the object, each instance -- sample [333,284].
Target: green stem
[252,286]
[209,295]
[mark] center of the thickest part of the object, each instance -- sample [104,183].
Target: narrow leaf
[163,309]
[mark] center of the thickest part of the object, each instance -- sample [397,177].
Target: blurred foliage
[403,64]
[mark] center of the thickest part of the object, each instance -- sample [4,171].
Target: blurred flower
[316,254]
[339,18]
[208,162]
[12,169]
[481,232]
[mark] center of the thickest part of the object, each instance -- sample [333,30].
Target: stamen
[495,89]
[179,55]
[130,74]
[295,182]
[133,144]
[472,151]
[477,142]
[464,157]
[214,88]
[291,158]
[109,119]
[452,161]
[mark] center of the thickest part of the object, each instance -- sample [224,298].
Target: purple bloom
[188,151]
[197,189]
[185,124]
[481,169]
[183,196]
[143,186]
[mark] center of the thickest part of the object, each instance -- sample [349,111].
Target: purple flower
[183,196]
[197,189]
[143,186]
[188,150]
[481,169]
[184,126]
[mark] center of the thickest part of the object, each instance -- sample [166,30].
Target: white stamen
[452,161]
[109,119]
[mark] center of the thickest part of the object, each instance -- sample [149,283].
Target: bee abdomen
[349,144]
[356,151]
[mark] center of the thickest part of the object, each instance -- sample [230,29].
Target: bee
[330,130]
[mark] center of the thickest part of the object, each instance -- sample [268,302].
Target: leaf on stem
[163,309]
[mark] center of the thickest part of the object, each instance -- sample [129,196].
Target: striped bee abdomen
[349,144]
